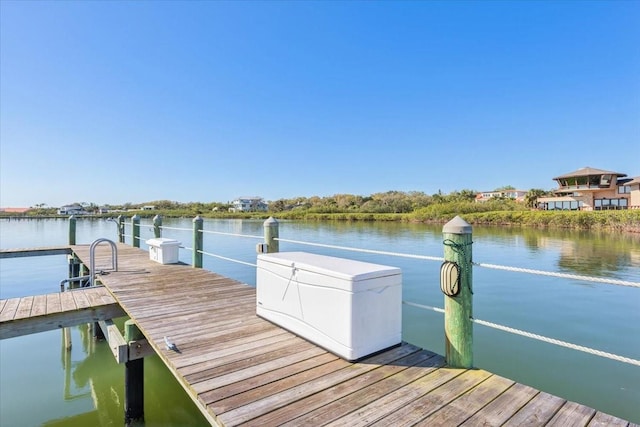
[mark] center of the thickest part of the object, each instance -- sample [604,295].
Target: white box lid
[341,268]
[162,241]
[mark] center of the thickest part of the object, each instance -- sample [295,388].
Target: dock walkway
[243,370]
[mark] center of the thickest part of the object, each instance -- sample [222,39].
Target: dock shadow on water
[83,386]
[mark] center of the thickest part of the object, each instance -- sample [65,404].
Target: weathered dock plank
[9,309]
[572,415]
[538,411]
[501,409]
[334,403]
[460,410]
[240,369]
[606,420]
[40,313]
[24,308]
[39,305]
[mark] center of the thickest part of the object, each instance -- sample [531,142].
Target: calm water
[43,385]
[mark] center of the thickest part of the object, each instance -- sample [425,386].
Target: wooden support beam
[26,252]
[118,345]
[122,350]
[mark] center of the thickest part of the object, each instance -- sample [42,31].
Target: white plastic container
[351,308]
[164,251]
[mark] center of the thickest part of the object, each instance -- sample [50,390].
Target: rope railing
[538,337]
[227,259]
[561,275]
[368,251]
[164,227]
[477,264]
[232,234]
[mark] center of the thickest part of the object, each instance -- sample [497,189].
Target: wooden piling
[133,379]
[157,223]
[135,231]
[121,228]
[271,234]
[198,223]
[458,327]
[72,230]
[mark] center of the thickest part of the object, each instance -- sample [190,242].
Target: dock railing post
[72,230]
[271,234]
[458,326]
[157,223]
[133,379]
[197,241]
[121,228]
[135,231]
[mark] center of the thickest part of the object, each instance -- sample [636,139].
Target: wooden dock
[40,313]
[243,370]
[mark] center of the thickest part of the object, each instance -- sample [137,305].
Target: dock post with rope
[458,301]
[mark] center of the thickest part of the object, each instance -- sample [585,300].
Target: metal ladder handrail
[92,258]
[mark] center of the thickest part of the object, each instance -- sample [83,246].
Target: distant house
[72,210]
[248,204]
[148,208]
[593,189]
[517,195]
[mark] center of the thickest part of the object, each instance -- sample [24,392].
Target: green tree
[532,196]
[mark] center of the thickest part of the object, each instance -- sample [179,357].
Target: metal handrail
[92,258]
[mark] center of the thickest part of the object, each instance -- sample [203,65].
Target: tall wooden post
[133,379]
[157,223]
[271,234]
[458,326]
[135,231]
[198,247]
[72,230]
[121,228]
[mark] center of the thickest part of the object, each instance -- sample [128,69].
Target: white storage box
[351,308]
[164,251]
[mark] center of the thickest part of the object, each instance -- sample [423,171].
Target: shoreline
[626,221]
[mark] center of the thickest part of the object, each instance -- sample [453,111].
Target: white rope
[537,337]
[187,248]
[227,259]
[232,234]
[368,251]
[426,307]
[477,264]
[562,275]
[163,227]
[558,342]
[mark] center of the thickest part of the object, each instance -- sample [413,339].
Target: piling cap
[271,222]
[457,226]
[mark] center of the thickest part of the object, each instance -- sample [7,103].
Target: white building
[249,204]
[72,210]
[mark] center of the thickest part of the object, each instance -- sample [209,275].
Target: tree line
[389,202]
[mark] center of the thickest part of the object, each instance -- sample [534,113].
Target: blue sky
[115,102]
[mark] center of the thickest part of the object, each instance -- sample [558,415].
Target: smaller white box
[164,251]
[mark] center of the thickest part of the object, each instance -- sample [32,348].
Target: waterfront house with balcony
[590,189]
